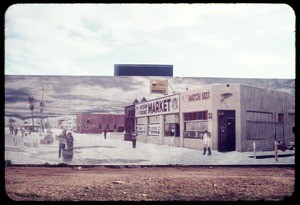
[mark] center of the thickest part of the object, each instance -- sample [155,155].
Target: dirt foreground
[149,183]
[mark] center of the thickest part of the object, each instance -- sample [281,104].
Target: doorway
[226,130]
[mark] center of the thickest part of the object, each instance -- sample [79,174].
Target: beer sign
[158,86]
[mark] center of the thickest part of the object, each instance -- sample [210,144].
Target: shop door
[226,127]
[177,130]
[230,134]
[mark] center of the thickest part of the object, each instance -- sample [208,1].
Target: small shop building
[236,115]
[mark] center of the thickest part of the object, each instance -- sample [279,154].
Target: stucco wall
[234,97]
[265,100]
[171,141]
[193,143]
[226,97]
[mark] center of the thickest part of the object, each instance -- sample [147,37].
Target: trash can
[67,155]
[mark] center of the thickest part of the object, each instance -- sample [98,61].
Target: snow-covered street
[93,149]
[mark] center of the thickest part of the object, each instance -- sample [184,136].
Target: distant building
[236,115]
[97,123]
[69,123]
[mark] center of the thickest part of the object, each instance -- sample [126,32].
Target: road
[149,183]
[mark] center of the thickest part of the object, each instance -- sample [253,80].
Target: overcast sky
[70,95]
[199,40]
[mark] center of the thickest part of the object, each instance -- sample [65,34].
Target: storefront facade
[236,115]
[157,121]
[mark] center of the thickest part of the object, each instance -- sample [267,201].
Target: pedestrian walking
[133,139]
[105,131]
[207,142]
[68,153]
[62,138]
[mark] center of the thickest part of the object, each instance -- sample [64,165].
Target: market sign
[158,86]
[165,105]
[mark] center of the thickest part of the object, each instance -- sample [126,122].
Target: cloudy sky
[69,95]
[199,40]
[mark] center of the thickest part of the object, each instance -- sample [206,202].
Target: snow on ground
[93,149]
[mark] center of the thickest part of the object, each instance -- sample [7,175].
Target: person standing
[68,153]
[62,138]
[70,140]
[133,139]
[105,132]
[207,142]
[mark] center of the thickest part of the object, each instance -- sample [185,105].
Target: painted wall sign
[154,130]
[199,96]
[160,106]
[140,129]
[158,86]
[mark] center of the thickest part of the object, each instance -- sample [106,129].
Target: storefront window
[195,116]
[195,124]
[153,119]
[140,129]
[171,130]
[140,120]
[153,129]
[280,117]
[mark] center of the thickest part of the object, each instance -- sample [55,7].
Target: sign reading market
[158,86]
[164,105]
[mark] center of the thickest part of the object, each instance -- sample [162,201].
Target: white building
[69,123]
[236,115]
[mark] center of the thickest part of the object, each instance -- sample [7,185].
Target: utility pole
[42,105]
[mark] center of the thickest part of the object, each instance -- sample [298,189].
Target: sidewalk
[93,149]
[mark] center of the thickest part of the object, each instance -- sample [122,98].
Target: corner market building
[236,115]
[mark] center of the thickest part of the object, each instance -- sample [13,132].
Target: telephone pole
[42,105]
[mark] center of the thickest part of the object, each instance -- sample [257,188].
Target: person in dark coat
[70,140]
[133,138]
[105,131]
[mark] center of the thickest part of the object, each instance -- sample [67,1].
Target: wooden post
[254,149]
[276,150]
